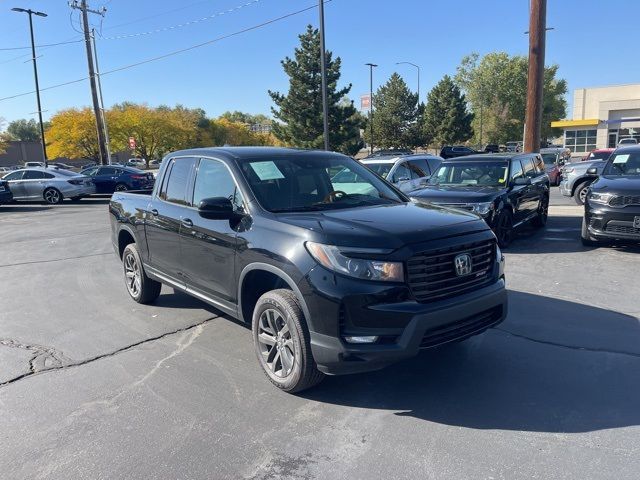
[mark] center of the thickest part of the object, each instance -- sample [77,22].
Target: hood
[458,194]
[624,185]
[384,226]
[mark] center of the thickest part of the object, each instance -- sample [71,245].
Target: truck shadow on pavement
[552,366]
[561,235]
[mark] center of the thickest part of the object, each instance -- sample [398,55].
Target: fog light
[370,339]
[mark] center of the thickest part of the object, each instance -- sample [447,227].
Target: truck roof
[253,153]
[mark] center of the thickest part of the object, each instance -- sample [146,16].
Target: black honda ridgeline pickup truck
[331,281]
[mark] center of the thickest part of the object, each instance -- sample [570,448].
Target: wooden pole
[535,81]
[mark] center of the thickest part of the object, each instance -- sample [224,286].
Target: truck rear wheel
[282,342]
[140,287]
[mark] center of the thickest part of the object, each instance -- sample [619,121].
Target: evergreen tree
[446,119]
[396,116]
[300,111]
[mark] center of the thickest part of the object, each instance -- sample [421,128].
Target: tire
[52,196]
[587,240]
[140,287]
[280,332]
[121,187]
[580,193]
[543,213]
[504,228]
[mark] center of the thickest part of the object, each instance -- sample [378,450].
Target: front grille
[463,206]
[462,329]
[626,229]
[624,200]
[432,275]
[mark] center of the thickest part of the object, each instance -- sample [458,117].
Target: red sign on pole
[365,102]
[132,143]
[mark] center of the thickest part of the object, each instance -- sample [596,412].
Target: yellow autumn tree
[226,132]
[73,134]
[157,131]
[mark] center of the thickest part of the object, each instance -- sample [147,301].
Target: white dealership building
[602,116]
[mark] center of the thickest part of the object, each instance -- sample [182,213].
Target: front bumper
[607,222]
[425,326]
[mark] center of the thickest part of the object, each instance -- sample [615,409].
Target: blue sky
[235,73]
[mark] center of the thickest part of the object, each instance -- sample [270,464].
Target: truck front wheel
[282,342]
[140,287]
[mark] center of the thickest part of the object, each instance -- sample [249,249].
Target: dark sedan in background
[449,151]
[505,190]
[110,178]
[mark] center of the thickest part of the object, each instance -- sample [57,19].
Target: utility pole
[371,67]
[84,8]
[323,72]
[104,122]
[35,74]
[535,81]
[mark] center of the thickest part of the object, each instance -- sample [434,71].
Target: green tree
[446,119]
[300,110]
[24,130]
[496,85]
[248,118]
[396,116]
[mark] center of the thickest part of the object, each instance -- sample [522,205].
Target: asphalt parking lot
[93,385]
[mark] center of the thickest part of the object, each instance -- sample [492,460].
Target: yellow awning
[591,122]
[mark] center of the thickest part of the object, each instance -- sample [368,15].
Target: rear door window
[174,189]
[107,171]
[420,167]
[33,175]
[528,168]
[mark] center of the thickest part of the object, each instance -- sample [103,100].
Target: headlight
[482,208]
[330,256]
[602,198]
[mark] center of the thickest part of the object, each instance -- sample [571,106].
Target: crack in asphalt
[571,347]
[60,362]
[56,259]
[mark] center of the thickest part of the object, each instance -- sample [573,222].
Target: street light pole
[418,69]
[35,74]
[371,66]
[323,73]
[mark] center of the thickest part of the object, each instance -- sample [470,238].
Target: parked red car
[598,154]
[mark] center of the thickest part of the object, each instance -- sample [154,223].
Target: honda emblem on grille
[462,264]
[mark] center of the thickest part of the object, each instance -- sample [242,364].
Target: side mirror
[216,208]
[522,181]
[592,171]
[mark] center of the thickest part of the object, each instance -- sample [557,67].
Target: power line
[138,20]
[176,52]
[41,46]
[184,24]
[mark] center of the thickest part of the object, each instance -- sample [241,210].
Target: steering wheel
[335,195]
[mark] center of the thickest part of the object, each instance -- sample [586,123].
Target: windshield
[549,158]
[598,155]
[489,174]
[316,183]
[624,164]
[381,169]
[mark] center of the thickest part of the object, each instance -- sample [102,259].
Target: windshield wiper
[307,208]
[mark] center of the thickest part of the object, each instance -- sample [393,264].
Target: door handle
[187,223]
[154,212]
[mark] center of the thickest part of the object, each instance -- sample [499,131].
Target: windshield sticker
[266,170]
[621,158]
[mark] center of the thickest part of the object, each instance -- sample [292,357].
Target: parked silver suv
[406,172]
[575,181]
